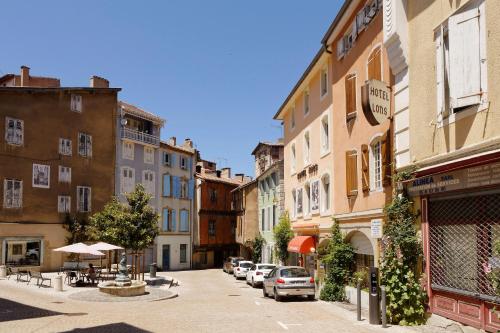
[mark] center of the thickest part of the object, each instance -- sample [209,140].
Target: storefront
[305,249]
[460,205]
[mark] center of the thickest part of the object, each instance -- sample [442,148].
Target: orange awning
[302,244]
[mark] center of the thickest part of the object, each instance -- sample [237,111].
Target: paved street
[208,301]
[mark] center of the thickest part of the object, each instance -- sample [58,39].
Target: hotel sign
[483,175]
[376,101]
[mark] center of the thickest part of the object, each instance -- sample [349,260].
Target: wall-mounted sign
[483,175]
[376,227]
[376,101]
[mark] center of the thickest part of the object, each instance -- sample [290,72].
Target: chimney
[226,172]
[98,82]
[218,173]
[25,76]
[188,143]
[247,179]
[172,141]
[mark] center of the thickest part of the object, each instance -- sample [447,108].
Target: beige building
[448,127]
[307,115]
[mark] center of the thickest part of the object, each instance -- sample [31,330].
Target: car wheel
[264,291]
[277,297]
[253,283]
[310,297]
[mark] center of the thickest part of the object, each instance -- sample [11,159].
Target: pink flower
[486,268]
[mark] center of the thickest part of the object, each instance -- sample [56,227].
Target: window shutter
[174,220]
[350,90]
[375,65]
[360,20]
[191,189]
[166,185]
[165,219]
[465,62]
[89,145]
[172,160]
[365,169]
[440,69]
[386,155]
[351,173]
[340,49]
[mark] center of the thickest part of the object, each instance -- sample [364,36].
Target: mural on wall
[41,175]
[315,195]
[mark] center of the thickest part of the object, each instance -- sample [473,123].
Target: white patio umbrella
[79,248]
[102,246]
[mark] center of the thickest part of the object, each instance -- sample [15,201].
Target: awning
[302,244]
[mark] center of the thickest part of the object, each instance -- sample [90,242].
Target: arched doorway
[363,249]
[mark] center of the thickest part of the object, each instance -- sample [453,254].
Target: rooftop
[138,112]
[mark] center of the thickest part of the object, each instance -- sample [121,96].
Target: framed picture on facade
[41,175]
[315,196]
[299,201]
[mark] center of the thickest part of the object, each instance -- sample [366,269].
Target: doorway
[165,257]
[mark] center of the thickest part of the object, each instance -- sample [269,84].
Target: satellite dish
[123,121]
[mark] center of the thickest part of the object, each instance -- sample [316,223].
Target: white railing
[127,133]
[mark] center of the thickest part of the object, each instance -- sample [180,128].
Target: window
[212,194]
[14,131]
[23,252]
[275,216]
[292,118]
[127,182]
[350,96]
[183,253]
[325,134]
[325,193]
[376,165]
[167,158]
[306,102]
[12,193]
[83,198]
[64,174]
[169,220]
[76,103]
[149,155]
[41,176]
[293,160]
[64,204]
[307,148]
[299,202]
[324,82]
[148,180]
[184,189]
[184,224]
[461,67]
[65,147]
[167,185]
[211,228]
[351,173]
[314,196]
[307,199]
[374,65]
[263,219]
[294,204]
[84,145]
[128,150]
[183,162]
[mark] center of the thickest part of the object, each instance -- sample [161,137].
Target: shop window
[23,252]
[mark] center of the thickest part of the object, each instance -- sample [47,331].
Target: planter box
[351,295]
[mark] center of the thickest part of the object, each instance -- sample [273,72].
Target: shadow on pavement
[10,310]
[111,328]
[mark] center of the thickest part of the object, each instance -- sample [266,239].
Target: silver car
[289,281]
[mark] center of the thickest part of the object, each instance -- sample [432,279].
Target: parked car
[240,270]
[230,263]
[289,281]
[255,276]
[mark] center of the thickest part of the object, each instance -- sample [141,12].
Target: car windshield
[246,264]
[235,260]
[266,267]
[294,272]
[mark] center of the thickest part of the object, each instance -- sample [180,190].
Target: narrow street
[208,301]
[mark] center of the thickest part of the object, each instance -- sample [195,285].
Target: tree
[133,226]
[257,245]
[77,228]
[398,265]
[282,235]
[338,258]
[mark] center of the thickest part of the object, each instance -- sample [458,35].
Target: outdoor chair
[20,274]
[69,276]
[11,271]
[39,278]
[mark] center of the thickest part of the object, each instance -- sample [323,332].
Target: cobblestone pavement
[208,301]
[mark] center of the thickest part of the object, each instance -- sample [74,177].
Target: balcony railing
[127,133]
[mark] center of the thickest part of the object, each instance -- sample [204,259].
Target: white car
[241,269]
[255,275]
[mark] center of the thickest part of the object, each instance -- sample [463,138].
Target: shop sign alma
[376,101]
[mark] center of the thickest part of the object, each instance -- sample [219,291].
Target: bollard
[358,302]
[152,270]
[383,305]
[58,285]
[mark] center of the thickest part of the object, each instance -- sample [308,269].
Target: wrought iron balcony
[130,134]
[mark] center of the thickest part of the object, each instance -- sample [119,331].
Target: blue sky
[216,70]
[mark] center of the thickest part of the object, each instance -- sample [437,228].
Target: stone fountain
[122,285]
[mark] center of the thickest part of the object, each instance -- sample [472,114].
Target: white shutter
[440,93]
[360,20]
[60,204]
[89,199]
[89,145]
[340,49]
[465,62]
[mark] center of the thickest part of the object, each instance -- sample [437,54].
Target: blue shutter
[166,185]
[174,221]
[177,187]
[172,160]
[165,219]
[190,160]
[191,189]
